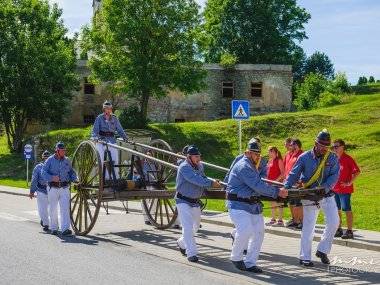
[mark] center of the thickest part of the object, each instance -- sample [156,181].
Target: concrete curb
[295,234]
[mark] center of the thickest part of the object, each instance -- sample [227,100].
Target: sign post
[28,149]
[240,111]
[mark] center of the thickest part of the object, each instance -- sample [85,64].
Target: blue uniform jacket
[306,165]
[244,181]
[191,182]
[113,125]
[38,184]
[262,167]
[58,167]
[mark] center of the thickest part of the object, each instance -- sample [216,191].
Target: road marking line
[10,217]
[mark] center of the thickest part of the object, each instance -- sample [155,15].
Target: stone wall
[209,104]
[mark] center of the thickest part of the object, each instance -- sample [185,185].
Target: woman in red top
[343,189]
[275,171]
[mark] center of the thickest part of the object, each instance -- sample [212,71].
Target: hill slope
[357,122]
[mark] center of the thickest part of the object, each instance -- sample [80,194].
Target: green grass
[357,122]
[12,166]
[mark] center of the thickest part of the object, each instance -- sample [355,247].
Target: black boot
[67,232]
[339,232]
[306,263]
[193,258]
[239,265]
[45,228]
[254,269]
[348,235]
[323,257]
[182,250]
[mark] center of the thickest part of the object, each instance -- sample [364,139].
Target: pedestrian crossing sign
[240,109]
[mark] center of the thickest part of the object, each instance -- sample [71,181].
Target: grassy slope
[357,122]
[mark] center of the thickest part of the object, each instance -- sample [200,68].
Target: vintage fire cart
[145,173]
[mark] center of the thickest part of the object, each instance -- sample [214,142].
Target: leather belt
[251,200]
[106,134]
[329,194]
[59,184]
[187,199]
[41,186]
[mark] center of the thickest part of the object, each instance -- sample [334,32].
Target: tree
[151,50]
[255,31]
[340,84]
[308,92]
[362,80]
[37,66]
[320,63]
[371,79]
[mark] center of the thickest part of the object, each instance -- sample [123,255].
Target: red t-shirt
[348,167]
[273,169]
[291,160]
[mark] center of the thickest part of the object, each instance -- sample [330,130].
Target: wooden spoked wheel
[87,195]
[161,212]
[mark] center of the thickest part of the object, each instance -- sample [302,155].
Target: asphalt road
[122,250]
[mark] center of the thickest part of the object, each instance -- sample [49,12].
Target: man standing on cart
[105,127]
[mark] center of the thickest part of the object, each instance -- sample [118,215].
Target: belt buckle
[59,184]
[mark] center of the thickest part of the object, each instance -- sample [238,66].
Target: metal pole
[217,167]
[27,172]
[168,164]
[239,136]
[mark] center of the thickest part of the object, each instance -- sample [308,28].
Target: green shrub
[131,118]
[340,84]
[307,92]
[327,99]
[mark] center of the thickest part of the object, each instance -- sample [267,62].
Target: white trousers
[59,196]
[43,207]
[249,231]
[190,218]
[310,215]
[114,154]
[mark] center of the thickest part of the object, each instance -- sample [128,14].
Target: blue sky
[348,31]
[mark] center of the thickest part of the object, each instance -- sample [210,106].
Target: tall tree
[144,48]
[255,31]
[37,66]
[320,63]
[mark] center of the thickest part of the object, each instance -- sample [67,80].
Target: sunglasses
[336,146]
[322,146]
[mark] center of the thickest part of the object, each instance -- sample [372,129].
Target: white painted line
[10,217]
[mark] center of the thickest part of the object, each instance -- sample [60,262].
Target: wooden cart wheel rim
[169,217]
[159,143]
[79,195]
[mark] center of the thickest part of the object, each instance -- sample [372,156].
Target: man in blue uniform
[105,127]
[190,184]
[261,164]
[243,188]
[317,167]
[261,167]
[58,173]
[38,186]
